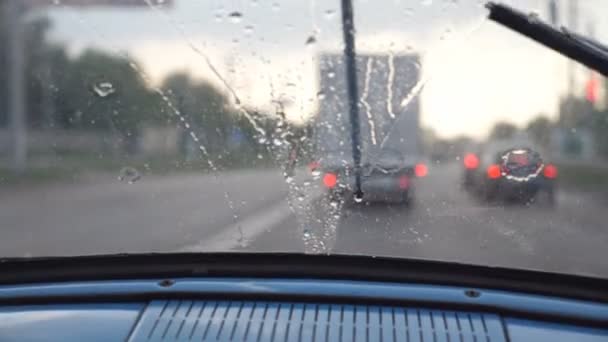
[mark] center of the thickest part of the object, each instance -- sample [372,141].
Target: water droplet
[276,7]
[260,156]
[306,234]
[104,89]
[235,17]
[330,13]
[331,74]
[321,95]
[288,180]
[316,174]
[358,198]
[262,140]
[248,29]
[129,174]
[427,2]
[277,142]
[311,40]
[533,17]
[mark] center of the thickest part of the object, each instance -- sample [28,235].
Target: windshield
[257,125]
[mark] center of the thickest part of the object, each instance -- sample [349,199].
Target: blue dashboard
[254,309]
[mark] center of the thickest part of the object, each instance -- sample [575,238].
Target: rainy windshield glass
[206,125]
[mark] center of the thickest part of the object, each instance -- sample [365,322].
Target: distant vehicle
[514,175]
[389,120]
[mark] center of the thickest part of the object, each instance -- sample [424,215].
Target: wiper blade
[575,46]
[348,30]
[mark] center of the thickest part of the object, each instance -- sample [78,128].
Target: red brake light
[471,161]
[421,170]
[404,182]
[330,180]
[550,171]
[494,171]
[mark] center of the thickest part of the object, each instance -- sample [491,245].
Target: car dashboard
[258,309]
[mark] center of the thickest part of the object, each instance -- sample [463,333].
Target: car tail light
[330,180]
[494,171]
[404,182]
[550,171]
[421,170]
[471,161]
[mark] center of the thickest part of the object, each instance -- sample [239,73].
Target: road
[258,210]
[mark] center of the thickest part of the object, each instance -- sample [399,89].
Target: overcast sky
[476,72]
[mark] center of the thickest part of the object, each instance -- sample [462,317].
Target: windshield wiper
[348,30]
[575,46]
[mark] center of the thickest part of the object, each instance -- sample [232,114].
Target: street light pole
[16,83]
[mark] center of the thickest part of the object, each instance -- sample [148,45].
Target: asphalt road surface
[261,211]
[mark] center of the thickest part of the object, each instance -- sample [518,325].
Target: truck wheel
[407,200]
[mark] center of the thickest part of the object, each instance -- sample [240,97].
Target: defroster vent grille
[186,320]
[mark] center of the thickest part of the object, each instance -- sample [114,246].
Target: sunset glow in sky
[475,72]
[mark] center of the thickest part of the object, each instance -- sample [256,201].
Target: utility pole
[16,83]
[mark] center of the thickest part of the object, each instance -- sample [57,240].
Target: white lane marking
[242,233]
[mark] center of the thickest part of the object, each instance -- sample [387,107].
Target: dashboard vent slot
[186,320]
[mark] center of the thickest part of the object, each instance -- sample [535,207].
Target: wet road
[254,211]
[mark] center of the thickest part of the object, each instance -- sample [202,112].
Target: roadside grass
[587,178]
[70,166]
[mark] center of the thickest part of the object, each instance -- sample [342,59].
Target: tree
[539,129]
[503,130]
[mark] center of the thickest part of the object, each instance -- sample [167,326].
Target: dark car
[515,175]
[387,178]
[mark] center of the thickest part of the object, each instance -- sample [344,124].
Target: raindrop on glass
[103,89]
[331,74]
[235,17]
[533,17]
[320,95]
[358,198]
[248,29]
[427,2]
[330,13]
[311,40]
[316,174]
[129,174]
[277,142]
[306,234]
[276,7]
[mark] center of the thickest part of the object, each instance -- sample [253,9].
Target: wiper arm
[575,46]
[348,30]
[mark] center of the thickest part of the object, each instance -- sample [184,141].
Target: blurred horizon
[486,68]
